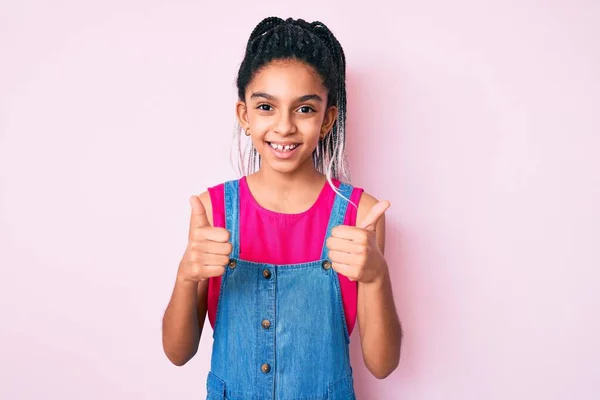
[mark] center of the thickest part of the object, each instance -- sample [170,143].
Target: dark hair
[314,44]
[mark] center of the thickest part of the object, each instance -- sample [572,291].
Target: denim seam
[337,215]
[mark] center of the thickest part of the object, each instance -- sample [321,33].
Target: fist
[208,249]
[353,250]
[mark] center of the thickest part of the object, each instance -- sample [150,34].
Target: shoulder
[365,204]
[213,200]
[207,203]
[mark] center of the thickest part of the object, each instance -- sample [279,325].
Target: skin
[286,102]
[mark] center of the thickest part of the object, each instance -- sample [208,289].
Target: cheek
[259,124]
[310,126]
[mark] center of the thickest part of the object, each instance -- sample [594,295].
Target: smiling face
[285,111]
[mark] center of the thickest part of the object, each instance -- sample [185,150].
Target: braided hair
[314,44]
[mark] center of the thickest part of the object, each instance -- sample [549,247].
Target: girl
[282,259]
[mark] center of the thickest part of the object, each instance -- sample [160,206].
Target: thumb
[198,219]
[370,221]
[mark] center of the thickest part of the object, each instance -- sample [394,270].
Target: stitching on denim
[337,216]
[219,302]
[338,291]
[230,211]
[210,387]
[349,385]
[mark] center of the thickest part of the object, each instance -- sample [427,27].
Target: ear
[241,112]
[328,121]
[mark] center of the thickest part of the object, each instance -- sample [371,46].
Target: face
[285,111]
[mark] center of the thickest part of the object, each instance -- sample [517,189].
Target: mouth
[283,147]
[283,150]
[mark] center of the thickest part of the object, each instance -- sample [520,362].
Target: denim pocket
[215,387]
[342,389]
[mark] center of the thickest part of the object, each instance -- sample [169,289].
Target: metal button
[265,368]
[232,264]
[327,264]
[266,324]
[266,273]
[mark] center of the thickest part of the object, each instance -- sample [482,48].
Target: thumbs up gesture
[353,250]
[208,249]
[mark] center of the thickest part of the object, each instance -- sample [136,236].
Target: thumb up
[369,222]
[198,219]
[354,251]
[208,248]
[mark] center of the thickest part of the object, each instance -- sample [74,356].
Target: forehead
[287,78]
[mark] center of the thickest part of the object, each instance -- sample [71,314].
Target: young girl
[286,258]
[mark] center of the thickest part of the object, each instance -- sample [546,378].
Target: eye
[306,109]
[264,107]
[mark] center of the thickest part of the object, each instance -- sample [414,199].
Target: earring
[247,132]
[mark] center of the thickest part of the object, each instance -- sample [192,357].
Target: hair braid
[334,143]
[265,25]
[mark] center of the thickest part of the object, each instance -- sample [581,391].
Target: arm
[183,320]
[378,322]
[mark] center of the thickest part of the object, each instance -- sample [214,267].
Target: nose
[284,125]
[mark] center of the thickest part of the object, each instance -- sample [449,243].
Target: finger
[213,270]
[198,219]
[370,221]
[209,247]
[346,270]
[220,235]
[345,258]
[215,259]
[343,245]
[346,232]
[211,235]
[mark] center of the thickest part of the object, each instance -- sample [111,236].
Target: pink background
[480,122]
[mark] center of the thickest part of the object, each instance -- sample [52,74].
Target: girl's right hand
[208,248]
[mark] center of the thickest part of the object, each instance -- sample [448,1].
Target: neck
[297,180]
[287,192]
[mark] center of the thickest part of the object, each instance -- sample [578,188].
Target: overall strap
[338,214]
[232,215]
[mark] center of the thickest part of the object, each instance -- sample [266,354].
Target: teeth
[279,147]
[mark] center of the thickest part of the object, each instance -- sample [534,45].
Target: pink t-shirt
[274,238]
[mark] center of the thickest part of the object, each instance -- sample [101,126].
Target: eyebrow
[300,99]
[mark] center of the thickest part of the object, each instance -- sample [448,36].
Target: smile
[284,148]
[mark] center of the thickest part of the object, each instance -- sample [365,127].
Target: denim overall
[280,331]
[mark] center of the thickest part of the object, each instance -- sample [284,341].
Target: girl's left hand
[353,250]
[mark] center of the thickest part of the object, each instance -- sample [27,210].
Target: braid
[313,43]
[265,25]
[334,143]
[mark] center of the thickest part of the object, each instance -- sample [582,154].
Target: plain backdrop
[478,120]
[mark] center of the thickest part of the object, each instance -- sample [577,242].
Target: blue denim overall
[280,331]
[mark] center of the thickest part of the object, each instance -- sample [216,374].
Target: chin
[286,166]
[282,167]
